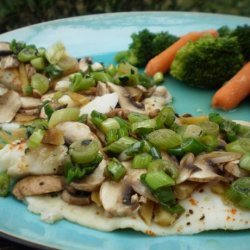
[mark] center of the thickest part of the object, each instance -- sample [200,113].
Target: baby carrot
[163,61]
[234,91]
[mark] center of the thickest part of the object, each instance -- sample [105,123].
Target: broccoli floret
[208,62]
[162,41]
[243,35]
[144,46]
[224,31]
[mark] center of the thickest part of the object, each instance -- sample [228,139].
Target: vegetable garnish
[163,61]
[234,91]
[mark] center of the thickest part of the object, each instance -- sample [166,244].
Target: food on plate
[145,45]
[208,62]
[163,61]
[234,91]
[102,147]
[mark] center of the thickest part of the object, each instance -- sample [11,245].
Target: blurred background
[19,13]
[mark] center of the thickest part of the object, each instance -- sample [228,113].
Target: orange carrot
[163,61]
[234,91]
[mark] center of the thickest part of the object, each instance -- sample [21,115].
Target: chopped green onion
[73,171]
[176,151]
[241,145]
[123,132]
[78,82]
[27,89]
[112,136]
[166,117]
[26,54]
[211,142]
[52,71]
[123,123]
[35,139]
[97,118]
[230,128]
[245,162]
[192,131]
[164,139]
[137,117]
[48,110]
[210,128]
[164,165]
[4,184]
[84,151]
[115,170]
[63,115]
[120,145]
[126,68]
[143,127]
[158,179]
[132,150]
[55,53]
[193,146]
[141,160]
[109,124]
[101,76]
[41,52]
[155,153]
[111,70]
[239,192]
[158,78]
[40,83]
[16,47]
[38,63]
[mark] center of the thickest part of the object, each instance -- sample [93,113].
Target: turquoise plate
[101,36]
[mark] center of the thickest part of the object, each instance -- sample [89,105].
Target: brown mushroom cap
[117,198]
[75,199]
[38,185]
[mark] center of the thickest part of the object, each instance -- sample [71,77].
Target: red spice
[233,211]
[149,232]
[193,201]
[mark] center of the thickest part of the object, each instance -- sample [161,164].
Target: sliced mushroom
[30,112]
[234,169]
[93,181]
[10,103]
[135,93]
[208,165]
[118,198]
[125,100]
[3,90]
[30,102]
[84,65]
[132,179]
[38,185]
[9,62]
[102,104]
[75,199]
[74,131]
[102,89]
[186,167]
[11,79]
[5,49]
[157,100]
